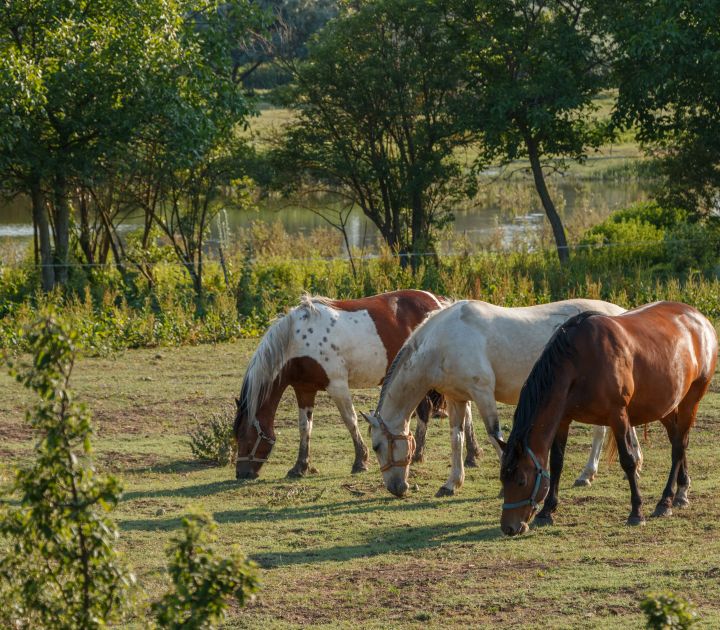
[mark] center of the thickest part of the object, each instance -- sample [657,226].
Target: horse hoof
[582,483]
[634,521]
[662,511]
[296,473]
[543,521]
[359,468]
[471,463]
[418,459]
[445,492]
[681,502]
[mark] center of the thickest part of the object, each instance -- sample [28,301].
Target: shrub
[212,440]
[202,583]
[62,570]
[665,610]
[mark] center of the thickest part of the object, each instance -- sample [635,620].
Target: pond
[505,213]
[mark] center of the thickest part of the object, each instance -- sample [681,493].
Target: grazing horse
[323,344]
[470,351]
[651,363]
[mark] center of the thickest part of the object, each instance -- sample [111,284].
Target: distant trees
[375,121]
[102,99]
[666,62]
[533,69]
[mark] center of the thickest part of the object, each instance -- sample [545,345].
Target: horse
[470,351]
[331,345]
[653,363]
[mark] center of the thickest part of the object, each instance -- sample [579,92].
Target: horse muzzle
[515,530]
[246,474]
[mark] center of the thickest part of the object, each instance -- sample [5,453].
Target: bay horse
[331,345]
[469,351]
[652,363]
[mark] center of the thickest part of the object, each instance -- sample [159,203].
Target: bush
[665,610]
[202,583]
[212,440]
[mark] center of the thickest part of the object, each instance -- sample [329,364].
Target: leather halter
[260,437]
[540,472]
[395,437]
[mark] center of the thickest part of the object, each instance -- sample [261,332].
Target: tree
[375,121]
[533,68]
[666,62]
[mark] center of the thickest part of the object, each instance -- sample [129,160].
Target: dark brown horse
[652,363]
[331,345]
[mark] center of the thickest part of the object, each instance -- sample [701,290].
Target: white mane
[272,354]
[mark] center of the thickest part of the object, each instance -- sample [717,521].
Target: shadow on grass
[195,490]
[390,540]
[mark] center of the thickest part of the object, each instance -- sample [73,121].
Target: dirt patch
[117,460]
[15,431]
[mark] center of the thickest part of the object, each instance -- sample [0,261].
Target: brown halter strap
[260,437]
[392,438]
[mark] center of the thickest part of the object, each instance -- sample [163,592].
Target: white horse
[470,351]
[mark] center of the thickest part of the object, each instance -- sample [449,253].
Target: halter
[392,438]
[260,437]
[531,500]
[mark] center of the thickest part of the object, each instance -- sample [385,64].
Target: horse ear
[371,419]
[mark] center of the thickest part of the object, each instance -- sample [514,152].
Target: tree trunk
[547,202]
[40,218]
[62,230]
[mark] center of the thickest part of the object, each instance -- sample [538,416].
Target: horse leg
[629,458]
[678,441]
[485,400]
[341,397]
[557,458]
[306,403]
[423,417]
[588,473]
[457,412]
[473,448]
[688,408]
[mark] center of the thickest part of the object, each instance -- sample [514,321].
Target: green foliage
[375,120]
[665,610]
[212,440]
[667,68]
[203,584]
[60,568]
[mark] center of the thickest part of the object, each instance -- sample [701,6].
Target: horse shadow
[396,539]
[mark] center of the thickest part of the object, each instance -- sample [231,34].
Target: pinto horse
[651,363]
[470,351]
[331,345]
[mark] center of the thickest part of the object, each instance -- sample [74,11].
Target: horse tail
[610,447]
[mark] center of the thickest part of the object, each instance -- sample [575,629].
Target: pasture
[337,550]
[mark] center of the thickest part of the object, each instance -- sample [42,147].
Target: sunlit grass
[336,550]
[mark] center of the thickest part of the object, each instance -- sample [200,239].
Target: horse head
[254,439]
[394,452]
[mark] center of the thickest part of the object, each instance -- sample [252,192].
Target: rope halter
[260,437]
[397,437]
[532,500]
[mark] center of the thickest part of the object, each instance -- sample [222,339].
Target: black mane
[538,386]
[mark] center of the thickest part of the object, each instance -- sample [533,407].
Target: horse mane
[409,346]
[270,358]
[538,386]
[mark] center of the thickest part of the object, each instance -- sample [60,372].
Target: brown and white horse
[331,345]
[652,363]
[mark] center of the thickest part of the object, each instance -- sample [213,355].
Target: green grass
[337,551]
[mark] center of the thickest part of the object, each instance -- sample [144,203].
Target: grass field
[338,551]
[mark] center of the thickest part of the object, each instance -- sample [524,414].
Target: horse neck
[267,409]
[404,392]
[547,421]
